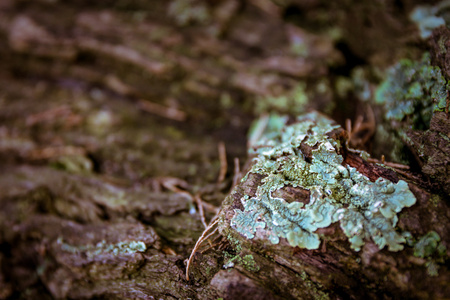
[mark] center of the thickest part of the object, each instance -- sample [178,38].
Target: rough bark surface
[113,117]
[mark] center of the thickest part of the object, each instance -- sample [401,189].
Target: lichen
[189,11]
[428,17]
[430,247]
[411,92]
[293,101]
[103,248]
[338,192]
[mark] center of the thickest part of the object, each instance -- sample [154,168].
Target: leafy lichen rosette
[338,192]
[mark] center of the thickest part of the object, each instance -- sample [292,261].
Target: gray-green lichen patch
[338,192]
[187,11]
[428,17]
[430,247]
[294,101]
[103,249]
[412,92]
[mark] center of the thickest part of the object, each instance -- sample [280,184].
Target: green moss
[247,261]
[411,92]
[318,293]
[235,243]
[338,193]
[73,164]
[435,199]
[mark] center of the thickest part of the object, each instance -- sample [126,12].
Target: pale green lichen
[189,11]
[428,17]
[412,92]
[338,193]
[293,101]
[103,248]
[430,247]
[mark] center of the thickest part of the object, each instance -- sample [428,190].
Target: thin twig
[223,162]
[361,131]
[348,127]
[199,202]
[358,123]
[396,166]
[51,152]
[406,174]
[202,238]
[370,125]
[237,172]
[48,115]
[210,207]
[258,131]
[161,110]
[171,184]
[389,164]
[211,245]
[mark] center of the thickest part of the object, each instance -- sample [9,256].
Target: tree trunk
[117,120]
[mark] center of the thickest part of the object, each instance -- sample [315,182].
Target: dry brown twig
[161,110]
[389,164]
[361,131]
[199,242]
[223,161]
[199,203]
[237,172]
[48,115]
[51,152]
[218,244]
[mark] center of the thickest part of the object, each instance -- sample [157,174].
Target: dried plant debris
[338,192]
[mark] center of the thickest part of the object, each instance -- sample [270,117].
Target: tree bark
[112,117]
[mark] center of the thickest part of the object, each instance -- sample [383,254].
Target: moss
[73,164]
[235,243]
[249,263]
[435,199]
[245,260]
[318,294]
[338,193]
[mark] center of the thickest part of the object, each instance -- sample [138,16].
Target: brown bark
[110,118]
